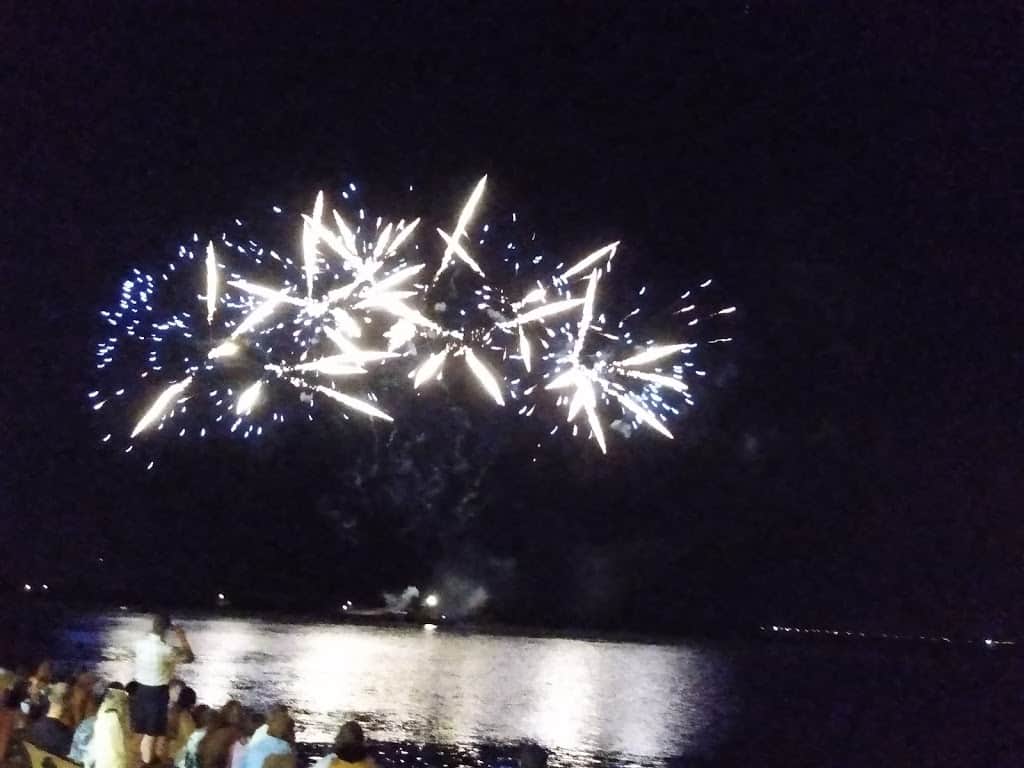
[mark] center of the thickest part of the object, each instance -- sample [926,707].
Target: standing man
[155,660]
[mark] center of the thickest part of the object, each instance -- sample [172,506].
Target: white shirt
[108,746]
[191,748]
[260,750]
[154,661]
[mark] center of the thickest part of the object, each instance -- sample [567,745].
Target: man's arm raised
[185,655]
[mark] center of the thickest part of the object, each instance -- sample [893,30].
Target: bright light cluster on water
[235,337]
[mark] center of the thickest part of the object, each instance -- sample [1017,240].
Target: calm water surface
[585,700]
[598,703]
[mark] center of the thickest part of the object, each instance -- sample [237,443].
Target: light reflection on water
[580,698]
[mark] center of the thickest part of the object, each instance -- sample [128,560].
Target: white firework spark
[454,247]
[248,399]
[484,376]
[160,406]
[354,403]
[212,283]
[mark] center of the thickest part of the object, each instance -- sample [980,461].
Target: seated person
[82,695]
[250,722]
[277,741]
[180,723]
[82,739]
[35,705]
[11,685]
[51,733]
[215,748]
[111,735]
[349,749]
[205,718]
[274,711]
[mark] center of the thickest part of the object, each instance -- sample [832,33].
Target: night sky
[850,178]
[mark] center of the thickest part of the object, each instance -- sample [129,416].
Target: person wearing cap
[155,660]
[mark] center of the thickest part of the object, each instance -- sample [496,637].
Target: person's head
[93,697]
[276,710]
[350,743]
[161,623]
[7,680]
[231,712]
[202,714]
[186,699]
[279,723]
[213,720]
[258,720]
[533,756]
[250,722]
[44,672]
[59,695]
[85,680]
[116,702]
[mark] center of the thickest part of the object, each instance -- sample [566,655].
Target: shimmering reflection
[565,704]
[580,698]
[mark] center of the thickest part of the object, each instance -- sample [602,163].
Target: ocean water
[440,697]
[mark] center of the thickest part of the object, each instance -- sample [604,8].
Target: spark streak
[255,318]
[248,399]
[544,311]
[160,405]
[652,354]
[430,368]
[524,349]
[212,283]
[354,403]
[310,237]
[460,229]
[484,376]
[607,252]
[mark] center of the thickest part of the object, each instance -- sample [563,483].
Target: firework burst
[255,336]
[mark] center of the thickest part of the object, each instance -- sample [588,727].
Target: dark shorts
[149,710]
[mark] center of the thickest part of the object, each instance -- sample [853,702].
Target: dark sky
[851,177]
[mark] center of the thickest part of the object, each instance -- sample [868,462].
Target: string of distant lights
[362,306]
[432,601]
[854,634]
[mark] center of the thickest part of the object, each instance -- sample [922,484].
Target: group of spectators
[155,719]
[62,716]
